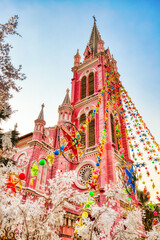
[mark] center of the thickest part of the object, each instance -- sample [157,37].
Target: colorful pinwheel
[130,185]
[50,158]
[73,151]
[11,184]
[34,170]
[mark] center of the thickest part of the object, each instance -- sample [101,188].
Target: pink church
[87,82]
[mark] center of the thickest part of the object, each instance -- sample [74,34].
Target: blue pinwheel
[131,174]
[137,165]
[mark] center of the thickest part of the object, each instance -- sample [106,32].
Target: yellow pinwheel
[50,158]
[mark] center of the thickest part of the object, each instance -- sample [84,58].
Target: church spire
[39,126]
[65,109]
[66,100]
[95,37]
[41,114]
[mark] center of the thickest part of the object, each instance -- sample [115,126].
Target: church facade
[87,82]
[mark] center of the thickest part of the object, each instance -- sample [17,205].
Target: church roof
[41,114]
[66,100]
[94,38]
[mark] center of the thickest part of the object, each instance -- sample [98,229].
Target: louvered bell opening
[91,128]
[112,128]
[83,87]
[118,145]
[91,133]
[91,83]
[82,120]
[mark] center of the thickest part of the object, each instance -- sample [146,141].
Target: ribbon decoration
[117,94]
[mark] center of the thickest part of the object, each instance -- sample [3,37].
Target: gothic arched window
[82,120]
[83,87]
[118,144]
[117,133]
[112,128]
[91,84]
[91,133]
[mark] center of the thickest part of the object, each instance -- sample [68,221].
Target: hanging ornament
[42,162]
[34,169]
[73,152]
[11,184]
[151,205]
[56,152]
[50,158]
[22,176]
[130,185]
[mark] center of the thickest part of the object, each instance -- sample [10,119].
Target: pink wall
[35,149]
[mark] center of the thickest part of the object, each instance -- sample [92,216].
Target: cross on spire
[94,18]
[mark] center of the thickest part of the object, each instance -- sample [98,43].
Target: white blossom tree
[155,233]
[111,221]
[8,73]
[8,77]
[36,218]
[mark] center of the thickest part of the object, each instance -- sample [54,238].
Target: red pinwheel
[11,184]
[139,154]
[150,158]
[73,150]
[92,184]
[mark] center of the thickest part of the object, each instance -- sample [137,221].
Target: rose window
[85,174]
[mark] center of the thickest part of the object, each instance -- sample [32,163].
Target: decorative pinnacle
[41,115]
[42,105]
[15,127]
[66,100]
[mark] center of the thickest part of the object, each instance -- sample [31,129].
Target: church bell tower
[87,84]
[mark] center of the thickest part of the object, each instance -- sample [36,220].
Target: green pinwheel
[151,205]
[34,170]
[88,203]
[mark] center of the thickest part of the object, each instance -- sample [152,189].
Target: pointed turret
[65,110]
[94,38]
[114,62]
[95,44]
[66,100]
[77,59]
[39,126]
[41,114]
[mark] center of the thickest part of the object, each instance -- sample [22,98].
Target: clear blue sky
[52,31]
